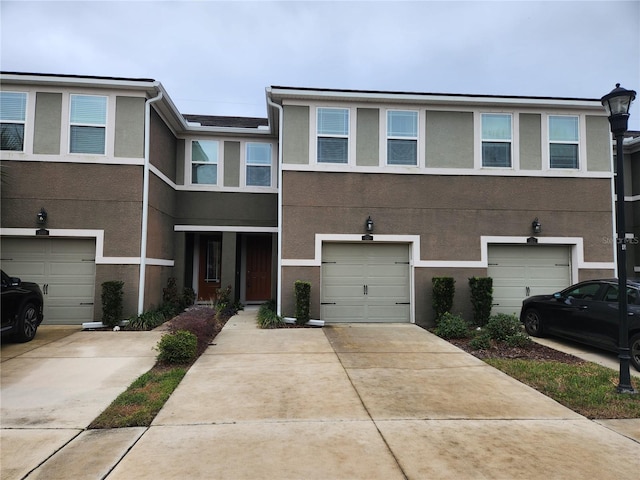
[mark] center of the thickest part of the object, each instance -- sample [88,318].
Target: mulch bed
[533,352]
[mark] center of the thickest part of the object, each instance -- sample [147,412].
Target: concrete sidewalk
[348,402]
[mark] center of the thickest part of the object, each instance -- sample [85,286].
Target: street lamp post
[617,103]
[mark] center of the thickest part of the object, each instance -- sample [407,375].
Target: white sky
[217,57]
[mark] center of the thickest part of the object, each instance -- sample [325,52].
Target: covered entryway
[520,271]
[365,282]
[63,267]
[257,268]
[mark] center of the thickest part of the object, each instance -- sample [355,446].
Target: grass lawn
[586,388]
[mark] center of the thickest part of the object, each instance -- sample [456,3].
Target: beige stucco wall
[530,141]
[367,137]
[47,123]
[449,139]
[295,135]
[129,133]
[231,164]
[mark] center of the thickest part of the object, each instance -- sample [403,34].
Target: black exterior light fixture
[41,216]
[368,227]
[617,103]
[536,226]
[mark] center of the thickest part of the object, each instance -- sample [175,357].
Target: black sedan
[21,308]
[587,313]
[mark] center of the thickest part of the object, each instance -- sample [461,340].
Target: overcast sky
[217,57]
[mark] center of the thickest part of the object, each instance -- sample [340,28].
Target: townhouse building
[368,195]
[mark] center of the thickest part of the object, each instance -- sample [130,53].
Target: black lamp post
[617,104]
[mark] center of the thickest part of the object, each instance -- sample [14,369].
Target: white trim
[419,138]
[350,136]
[223,228]
[188,174]
[97,235]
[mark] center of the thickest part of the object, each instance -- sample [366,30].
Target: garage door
[64,269]
[365,283]
[520,271]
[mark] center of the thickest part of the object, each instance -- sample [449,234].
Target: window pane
[13,106]
[402,124]
[205,151]
[332,150]
[496,127]
[204,174]
[88,110]
[87,140]
[402,152]
[259,153]
[214,254]
[12,136]
[563,129]
[563,155]
[496,154]
[259,176]
[333,121]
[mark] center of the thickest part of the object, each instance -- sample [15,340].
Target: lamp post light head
[536,226]
[617,103]
[369,225]
[41,216]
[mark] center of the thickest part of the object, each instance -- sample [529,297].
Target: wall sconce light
[41,216]
[536,226]
[369,225]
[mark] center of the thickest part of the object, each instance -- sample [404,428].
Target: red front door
[209,271]
[258,272]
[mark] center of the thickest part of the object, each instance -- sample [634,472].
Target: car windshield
[611,294]
[586,291]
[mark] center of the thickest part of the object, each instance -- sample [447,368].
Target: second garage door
[365,283]
[520,271]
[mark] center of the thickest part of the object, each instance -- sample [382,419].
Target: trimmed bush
[180,347]
[267,316]
[112,302]
[225,306]
[148,320]
[303,301]
[202,322]
[502,326]
[481,299]
[452,326]
[443,292]
[482,341]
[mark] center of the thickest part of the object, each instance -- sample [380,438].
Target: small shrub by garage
[481,299]
[177,348]
[112,295]
[443,291]
[452,326]
[267,316]
[303,301]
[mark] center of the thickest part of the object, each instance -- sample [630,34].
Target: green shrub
[502,326]
[148,320]
[303,301]
[482,341]
[180,347]
[520,339]
[267,316]
[481,299]
[201,321]
[173,301]
[443,292]
[452,326]
[112,302]
[225,306]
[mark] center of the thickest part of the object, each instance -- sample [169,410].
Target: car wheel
[634,349]
[533,323]
[27,323]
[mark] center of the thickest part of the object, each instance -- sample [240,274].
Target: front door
[209,272]
[258,273]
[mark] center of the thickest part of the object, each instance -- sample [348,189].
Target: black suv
[21,308]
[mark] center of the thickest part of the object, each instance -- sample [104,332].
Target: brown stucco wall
[226,208]
[162,147]
[161,212]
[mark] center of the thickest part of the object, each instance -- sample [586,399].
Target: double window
[496,140]
[333,135]
[563,141]
[88,124]
[204,162]
[402,137]
[258,164]
[13,111]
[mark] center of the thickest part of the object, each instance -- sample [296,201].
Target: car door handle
[583,307]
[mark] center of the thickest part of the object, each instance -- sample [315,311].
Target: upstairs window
[258,165]
[333,135]
[563,142]
[204,162]
[402,137]
[13,111]
[88,124]
[496,140]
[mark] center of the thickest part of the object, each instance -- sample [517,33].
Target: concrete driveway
[55,385]
[348,402]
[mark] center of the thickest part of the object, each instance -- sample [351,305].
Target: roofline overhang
[293,93]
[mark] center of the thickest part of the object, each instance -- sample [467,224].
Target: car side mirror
[557,296]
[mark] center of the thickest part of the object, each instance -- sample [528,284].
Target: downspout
[145,202]
[279,273]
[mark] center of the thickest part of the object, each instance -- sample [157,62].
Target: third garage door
[365,283]
[520,271]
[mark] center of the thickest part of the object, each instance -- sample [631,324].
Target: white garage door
[520,271]
[365,283]
[64,269]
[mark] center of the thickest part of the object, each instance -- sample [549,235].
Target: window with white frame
[333,135]
[402,137]
[13,112]
[204,162]
[258,164]
[564,139]
[496,140]
[88,124]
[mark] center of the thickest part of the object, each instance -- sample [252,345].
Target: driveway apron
[364,402]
